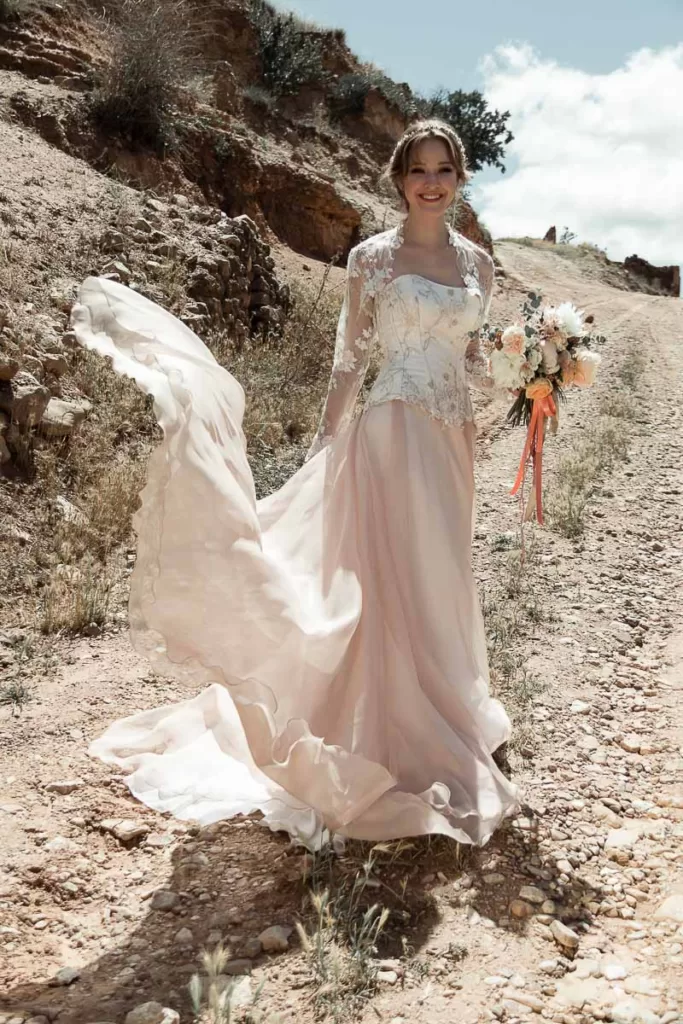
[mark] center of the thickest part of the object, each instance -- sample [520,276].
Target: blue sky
[594,89]
[440,42]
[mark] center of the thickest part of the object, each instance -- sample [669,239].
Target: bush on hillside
[349,93]
[484,132]
[291,52]
[13,10]
[154,54]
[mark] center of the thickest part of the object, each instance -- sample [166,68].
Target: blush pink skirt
[331,632]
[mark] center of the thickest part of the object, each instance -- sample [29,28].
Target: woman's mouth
[431,197]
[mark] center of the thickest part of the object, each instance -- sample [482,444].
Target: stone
[525,999]
[251,948]
[628,1011]
[124,829]
[631,743]
[564,936]
[66,976]
[60,844]
[532,895]
[152,1013]
[112,241]
[8,367]
[275,939]
[671,909]
[118,268]
[387,977]
[614,972]
[63,788]
[238,967]
[24,398]
[184,937]
[521,910]
[164,900]
[580,707]
[56,363]
[622,839]
[61,418]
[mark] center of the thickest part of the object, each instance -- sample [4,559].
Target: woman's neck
[425,232]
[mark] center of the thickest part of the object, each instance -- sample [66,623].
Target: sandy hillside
[573,913]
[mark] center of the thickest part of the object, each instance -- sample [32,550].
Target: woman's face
[432,180]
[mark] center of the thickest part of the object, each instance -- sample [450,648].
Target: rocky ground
[572,914]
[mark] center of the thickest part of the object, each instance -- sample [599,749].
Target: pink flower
[514,340]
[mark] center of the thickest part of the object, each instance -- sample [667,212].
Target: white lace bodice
[422,329]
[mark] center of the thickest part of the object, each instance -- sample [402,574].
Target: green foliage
[291,53]
[153,55]
[349,93]
[484,132]
[15,10]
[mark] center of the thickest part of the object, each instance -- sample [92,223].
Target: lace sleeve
[351,355]
[476,360]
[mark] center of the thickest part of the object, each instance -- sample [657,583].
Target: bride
[332,629]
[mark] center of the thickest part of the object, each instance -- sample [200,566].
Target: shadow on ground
[236,879]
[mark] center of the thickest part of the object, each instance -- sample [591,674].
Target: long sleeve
[351,355]
[476,360]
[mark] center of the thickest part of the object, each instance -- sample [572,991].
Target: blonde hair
[416,133]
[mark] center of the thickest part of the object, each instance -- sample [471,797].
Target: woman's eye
[416,170]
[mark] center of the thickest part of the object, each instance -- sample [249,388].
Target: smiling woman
[334,625]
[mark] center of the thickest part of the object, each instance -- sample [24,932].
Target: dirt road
[573,913]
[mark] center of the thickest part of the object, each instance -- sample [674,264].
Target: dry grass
[154,55]
[605,443]
[509,613]
[286,378]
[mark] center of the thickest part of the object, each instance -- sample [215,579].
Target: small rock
[164,900]
[580,707]
[613,972]
[238,967]
[152,1013]
[63,788]
[532,895]
[24,398]
[671,909]
[56,363]
[251,948]
[631,743]
[184,937]
[118,268]
[125,830]
[275,939]
[60,844]
[61,418]
[622,839]
[8,367]
[520,909]
[525,999]
[564,936]
[387,977]
[66,976]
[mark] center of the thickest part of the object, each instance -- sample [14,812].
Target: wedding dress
[332,629]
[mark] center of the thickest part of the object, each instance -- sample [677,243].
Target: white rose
[506,368]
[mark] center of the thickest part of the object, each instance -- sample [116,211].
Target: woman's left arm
[476,360]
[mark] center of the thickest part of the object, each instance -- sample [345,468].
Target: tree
[484,132]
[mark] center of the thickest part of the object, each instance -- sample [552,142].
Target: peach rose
[586,369]
[514,340]
[539,388]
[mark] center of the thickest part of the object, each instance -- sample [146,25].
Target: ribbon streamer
[542,409]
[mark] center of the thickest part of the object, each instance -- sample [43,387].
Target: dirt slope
[599,628]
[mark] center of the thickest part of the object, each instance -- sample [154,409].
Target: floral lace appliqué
[424,331]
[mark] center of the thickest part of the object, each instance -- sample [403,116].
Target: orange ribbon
[542,409]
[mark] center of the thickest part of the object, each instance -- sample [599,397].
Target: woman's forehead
[429,150]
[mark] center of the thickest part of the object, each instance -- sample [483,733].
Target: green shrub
[153,56]
[484,132]
[349,93]
[291,52]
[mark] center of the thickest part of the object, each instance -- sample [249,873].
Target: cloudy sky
[594,89]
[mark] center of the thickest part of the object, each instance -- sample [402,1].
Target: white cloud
[602,154]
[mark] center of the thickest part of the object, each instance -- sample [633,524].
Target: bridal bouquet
[539,359]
